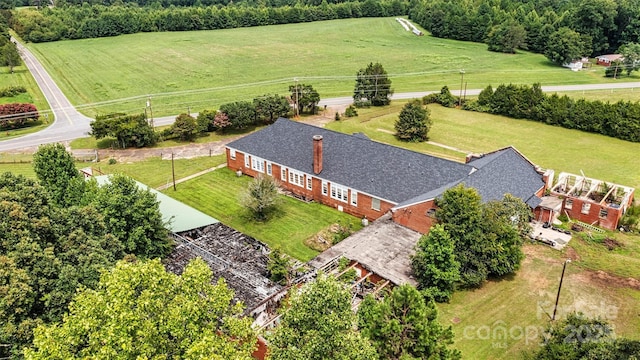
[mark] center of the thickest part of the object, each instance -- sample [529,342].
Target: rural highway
[70,124]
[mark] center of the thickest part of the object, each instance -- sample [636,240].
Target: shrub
[351,111]
[15,114]
[11,91]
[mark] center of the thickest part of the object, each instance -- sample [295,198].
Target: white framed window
[586,207]
[431,212]
[309,182]
[568,204]
[296,178]
[283,174]
[268,168]
[375,204]
[354,198]
[325,188]
[232,154]
[257,164]
[339,192]
[246,160]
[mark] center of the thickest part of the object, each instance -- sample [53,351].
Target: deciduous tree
[630,57]
[133,216]
[270,107]
[129,130]
[240,114]
[138,310]
[434,264]
[507,37]
[405,326]
[565,46]
[305,97]
[317,323]
[185,127]
[578,337]
[373,86]
[414,123]
[57,172]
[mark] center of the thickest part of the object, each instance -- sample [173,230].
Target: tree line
[593,27]
[92,21]
[620,120]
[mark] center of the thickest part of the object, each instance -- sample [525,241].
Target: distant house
[606,60]
[368,179]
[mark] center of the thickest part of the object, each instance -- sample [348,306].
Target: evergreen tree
[413,123]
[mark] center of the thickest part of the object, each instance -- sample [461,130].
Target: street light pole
[555,308]
[461,82]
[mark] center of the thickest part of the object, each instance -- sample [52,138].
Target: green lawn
[153,171]
[521,305]
[22,77]
[202,69]
[217,194]
[598,156]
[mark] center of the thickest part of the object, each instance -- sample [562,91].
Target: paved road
[70,124]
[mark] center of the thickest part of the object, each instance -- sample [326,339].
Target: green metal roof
[181,217]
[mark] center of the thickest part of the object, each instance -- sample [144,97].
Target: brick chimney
[317,154]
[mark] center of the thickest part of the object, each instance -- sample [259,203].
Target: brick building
[366,178]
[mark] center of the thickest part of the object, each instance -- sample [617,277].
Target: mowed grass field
[218,194]
[203,69]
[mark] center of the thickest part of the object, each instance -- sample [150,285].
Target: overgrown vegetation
[129,130]
[487,237]
[62,234]
[139,310]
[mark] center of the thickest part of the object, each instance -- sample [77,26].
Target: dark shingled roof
[506,171]
[398,175]
[381,170]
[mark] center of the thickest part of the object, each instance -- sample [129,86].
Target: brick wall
[591,214]
[364,203]
[415,217]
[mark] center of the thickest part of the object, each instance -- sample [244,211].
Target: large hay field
[203,69]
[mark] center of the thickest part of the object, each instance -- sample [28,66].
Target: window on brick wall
[603,213]
[283,174]
[309,182]
[568,204]
[339,192]
[246,160]
[431,212]
[325,188]
[232,154]
[296,178]
[375,204]
[586,207]
[268,168]
[354,198]
[257,164]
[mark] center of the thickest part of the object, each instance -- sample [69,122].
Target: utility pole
[296,94]
[564,266]
[173,173]
[461,82]
[150,111]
